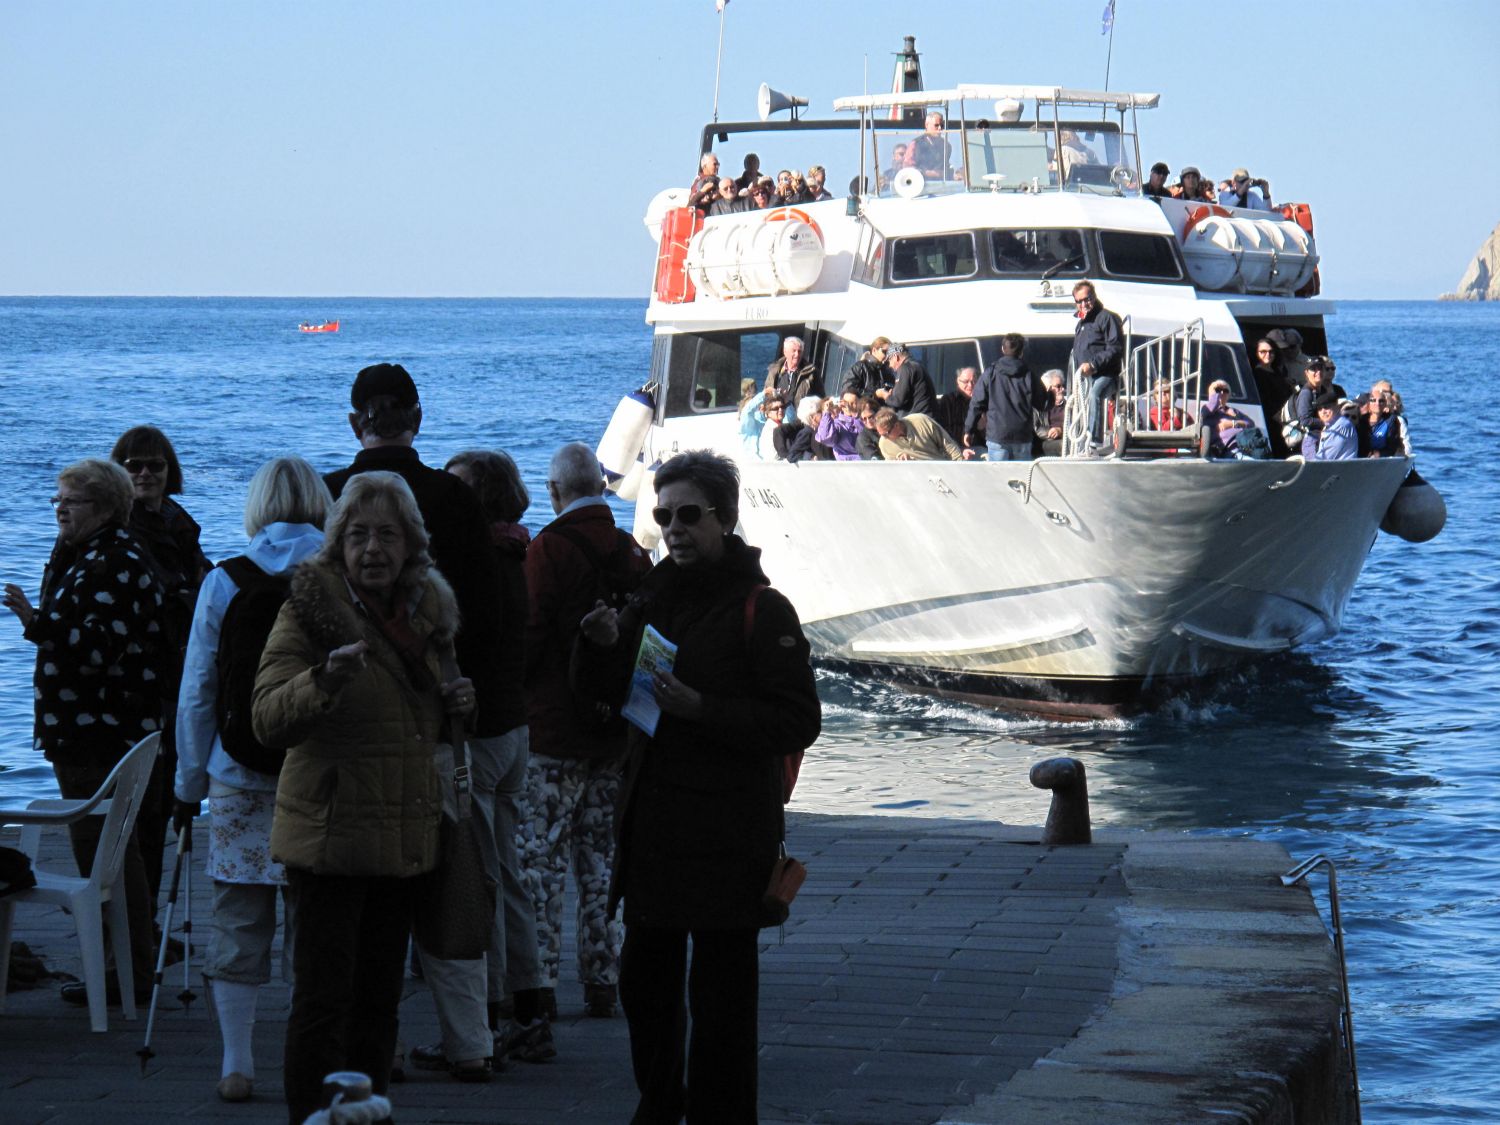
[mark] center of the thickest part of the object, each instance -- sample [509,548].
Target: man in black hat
[1156,187]
[386,418]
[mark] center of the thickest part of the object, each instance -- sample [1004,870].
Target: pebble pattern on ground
[925,962]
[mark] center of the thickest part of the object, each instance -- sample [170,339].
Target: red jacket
[562,584]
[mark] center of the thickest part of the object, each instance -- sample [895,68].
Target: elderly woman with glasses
[98,633]
[358,682]
[700,824]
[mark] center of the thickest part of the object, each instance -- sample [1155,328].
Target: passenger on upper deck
[749,175]
[898,162]
[728,202]
[915,437]
[788,378]
[913,392]
[1156,187]
[1048,421]
[817,176]
[705,188]
[1190,186]
[868,375]
[1073,152]
[931,153]
[786,194]
[952,411]
[760,195]
[798,192]
[1240,191]
[1006,402]
[1098,352]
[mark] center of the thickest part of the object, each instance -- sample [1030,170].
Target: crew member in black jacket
[1098,353]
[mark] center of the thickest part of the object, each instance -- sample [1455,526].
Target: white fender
[624,436]
[630,485]
[646,533]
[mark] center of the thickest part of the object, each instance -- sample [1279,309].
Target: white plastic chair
[102,894]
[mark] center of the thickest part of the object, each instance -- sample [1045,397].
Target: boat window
[1131,254]
[1042,354]
[1228,362]
[870,257]
[939,159]
[943,360]
[1008,158]
[1032,253]
[706,372]
[933,256]
[840,356]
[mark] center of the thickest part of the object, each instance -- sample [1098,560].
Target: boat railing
[1159,399]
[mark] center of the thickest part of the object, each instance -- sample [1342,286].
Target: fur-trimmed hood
[324,604]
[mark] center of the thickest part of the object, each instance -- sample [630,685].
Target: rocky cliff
[1481,281]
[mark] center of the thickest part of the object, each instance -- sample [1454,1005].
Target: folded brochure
[657,654]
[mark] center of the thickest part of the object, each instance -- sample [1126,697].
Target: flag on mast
[1109,16]
[719,5]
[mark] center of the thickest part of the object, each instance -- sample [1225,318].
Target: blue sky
[463,148]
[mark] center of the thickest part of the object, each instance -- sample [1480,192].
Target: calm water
[1374,747]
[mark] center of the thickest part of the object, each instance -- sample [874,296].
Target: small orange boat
[325,326]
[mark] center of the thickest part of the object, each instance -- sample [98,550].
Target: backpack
[1253,443]
[613,585]
[242,638]
[791,764]
[1291,425]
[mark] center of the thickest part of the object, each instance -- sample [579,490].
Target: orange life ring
[1198,214]
[782,214]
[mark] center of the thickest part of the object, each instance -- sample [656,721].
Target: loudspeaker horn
[774,101]
[908,183]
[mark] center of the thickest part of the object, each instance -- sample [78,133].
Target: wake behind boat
[1070,585]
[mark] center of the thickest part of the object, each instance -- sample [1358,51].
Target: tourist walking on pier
[354,682]
[701,824]
[99,655]
[219,759]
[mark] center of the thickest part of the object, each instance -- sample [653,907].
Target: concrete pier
[932,971]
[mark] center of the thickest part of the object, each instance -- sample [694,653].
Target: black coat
[1099,339]
[460,547]
[864,377]
[913,392]
[700,812]
[1006,396]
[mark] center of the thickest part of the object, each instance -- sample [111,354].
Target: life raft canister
[1301,214]
[625,434]
[788,214]
[678,225]
[1198,214]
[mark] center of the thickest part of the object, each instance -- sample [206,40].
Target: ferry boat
[1072,586]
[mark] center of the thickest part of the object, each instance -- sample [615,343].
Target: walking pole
[185,843]
[184,838]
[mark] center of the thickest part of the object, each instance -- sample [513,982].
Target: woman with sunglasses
[700,823]
[170,537]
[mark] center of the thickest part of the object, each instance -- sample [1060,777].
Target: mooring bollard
[1068,818]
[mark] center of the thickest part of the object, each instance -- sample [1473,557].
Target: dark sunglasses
[688,515]
[150,464]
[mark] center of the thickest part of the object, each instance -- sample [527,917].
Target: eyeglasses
[135,465]
[68,503]
[688,515]
[1242,179]
[1083,300]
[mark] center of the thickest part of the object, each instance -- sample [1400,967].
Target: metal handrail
[1175,358]
[1299,874]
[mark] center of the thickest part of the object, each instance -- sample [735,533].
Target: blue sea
[1375,748]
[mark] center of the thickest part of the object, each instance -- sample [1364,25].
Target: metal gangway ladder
[1164,374]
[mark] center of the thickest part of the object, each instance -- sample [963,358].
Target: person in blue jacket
[284,513]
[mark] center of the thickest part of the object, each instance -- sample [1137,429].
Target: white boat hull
[944,576]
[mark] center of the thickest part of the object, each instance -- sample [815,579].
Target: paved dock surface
[933,971]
